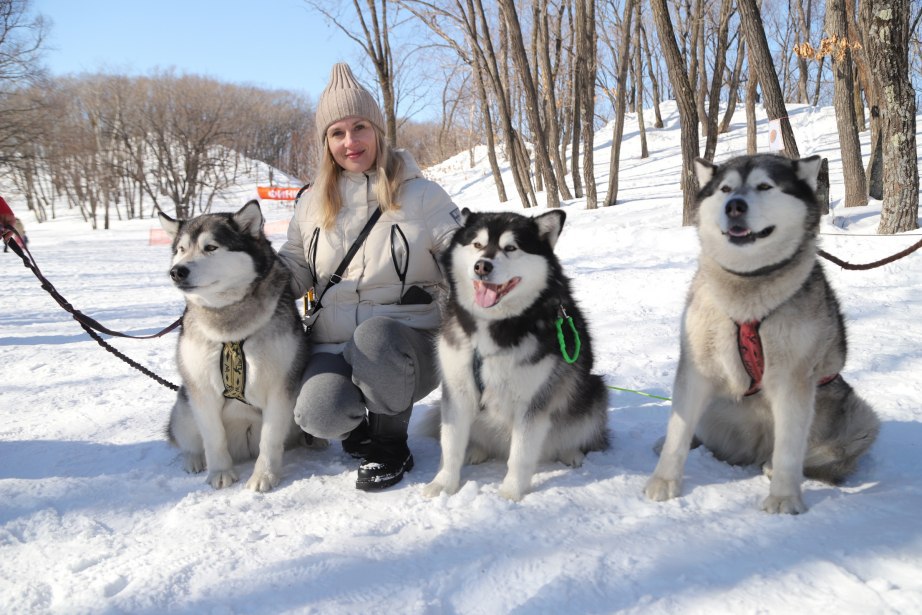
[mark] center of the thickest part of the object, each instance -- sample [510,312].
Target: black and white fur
[758,219]
[236,289]
[525,403]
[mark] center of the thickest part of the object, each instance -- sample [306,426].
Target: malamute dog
[763,340]
[241,350]
[508,390]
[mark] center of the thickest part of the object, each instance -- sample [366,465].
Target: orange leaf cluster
[833,46]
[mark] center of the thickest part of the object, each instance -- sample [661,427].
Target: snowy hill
[97,515]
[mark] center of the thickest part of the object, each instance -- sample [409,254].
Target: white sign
[775,142]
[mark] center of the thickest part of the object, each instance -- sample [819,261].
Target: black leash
[865,266]
[90,325]
[336,277]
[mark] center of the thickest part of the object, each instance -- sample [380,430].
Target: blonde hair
[389,168]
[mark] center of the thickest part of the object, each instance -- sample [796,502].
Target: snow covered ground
[97,515]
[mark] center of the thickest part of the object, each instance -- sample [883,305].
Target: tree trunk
[856,192]
[507,7]
[720,54]
[586,45]
[803,31]
[624,61]
[685,97]
[654,82]
[734,85]
[488,131]
[517,164]
[887,27]
[760,56]
[752,93]
[637,77]
[546,69]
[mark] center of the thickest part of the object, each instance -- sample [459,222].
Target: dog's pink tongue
[485,294]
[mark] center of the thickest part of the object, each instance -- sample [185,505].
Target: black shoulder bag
[336,277]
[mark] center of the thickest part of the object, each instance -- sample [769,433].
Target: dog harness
[750,348]
[234,371]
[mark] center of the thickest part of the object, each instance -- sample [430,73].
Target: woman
[372,337]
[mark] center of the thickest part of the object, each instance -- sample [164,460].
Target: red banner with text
[277,193]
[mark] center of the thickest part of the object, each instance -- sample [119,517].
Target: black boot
[388,455]
[359,440]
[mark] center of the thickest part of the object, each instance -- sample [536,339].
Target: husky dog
[763,339]
[515,355]
[241,350]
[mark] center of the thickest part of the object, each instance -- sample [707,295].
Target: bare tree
[515,150]
[624,62]
[546,38]
[637,78]
[856,192]
[720,53]
[21,40]
[654,81]
[584,97]
[761,59]
[733,85]
[374,22]
[886,23]
[688,114]
[532,105]
[446,24]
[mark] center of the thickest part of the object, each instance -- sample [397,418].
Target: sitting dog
[515,355]
[241,351]
[763,341]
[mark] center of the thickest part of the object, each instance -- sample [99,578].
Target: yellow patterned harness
[234,371]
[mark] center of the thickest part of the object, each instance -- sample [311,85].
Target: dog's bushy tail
[845,427]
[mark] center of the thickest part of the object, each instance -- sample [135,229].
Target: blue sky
[267,43]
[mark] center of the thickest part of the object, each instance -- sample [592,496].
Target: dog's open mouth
[741,235]
[487,295]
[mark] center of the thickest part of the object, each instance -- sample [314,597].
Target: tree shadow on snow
[40,459]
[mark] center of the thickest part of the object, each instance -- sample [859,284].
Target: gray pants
[386,368]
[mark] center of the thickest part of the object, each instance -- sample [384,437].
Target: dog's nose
[179,273]
[483,267]
[736,208]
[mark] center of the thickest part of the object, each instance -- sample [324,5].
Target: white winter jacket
[410,237]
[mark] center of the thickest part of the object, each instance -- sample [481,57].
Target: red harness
[750,347]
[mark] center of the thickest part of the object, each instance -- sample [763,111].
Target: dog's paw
[475,455]
[222,478]
[661,489]
[511,491]
[573,458]
[437,487]
[263,482]
[193,463]
[785,505]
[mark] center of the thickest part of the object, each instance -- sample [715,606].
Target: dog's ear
[465,214]
[169,225]
[250,218]
[704,171]
[550,225]
[808,170]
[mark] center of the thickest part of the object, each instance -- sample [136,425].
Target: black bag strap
[353,250]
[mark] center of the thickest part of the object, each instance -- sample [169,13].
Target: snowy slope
[97,515]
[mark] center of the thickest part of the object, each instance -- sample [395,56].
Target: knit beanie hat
[343,97]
